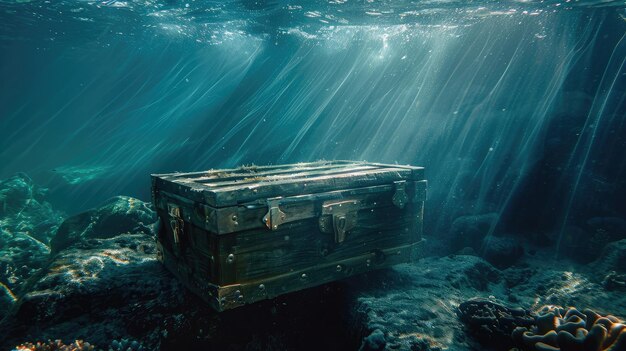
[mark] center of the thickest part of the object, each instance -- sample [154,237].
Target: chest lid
[230,187]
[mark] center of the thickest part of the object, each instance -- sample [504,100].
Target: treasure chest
[236,236]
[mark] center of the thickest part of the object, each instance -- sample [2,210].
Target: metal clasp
[177,223]
[274,216]
[339,218]
[400,197]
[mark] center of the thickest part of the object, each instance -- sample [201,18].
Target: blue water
[514,107]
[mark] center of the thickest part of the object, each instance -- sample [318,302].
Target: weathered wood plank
[254,188]
[226,297]
[232,196]
[252,168]
[239,176]
[255,180]
[192,191]
[260,254]
[250,215]
[239,294]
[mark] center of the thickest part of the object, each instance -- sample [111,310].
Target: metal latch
[274,216]
[339,218]
[177,223]
[400,197]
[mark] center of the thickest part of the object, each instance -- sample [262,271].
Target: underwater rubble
[92,282]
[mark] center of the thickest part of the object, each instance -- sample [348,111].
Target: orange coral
[56,345]
[560,329]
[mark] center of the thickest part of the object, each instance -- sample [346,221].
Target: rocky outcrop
[469,231]
[27,222]
[473,235]
[502,252]
[613,258]
[586,243]
[119,215]
[101,282]
[97,290]
[24,209]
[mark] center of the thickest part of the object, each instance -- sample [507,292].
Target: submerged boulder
[469,231]
[119,215]
[613,258]
[24,209]
[27,221]
[104,267]
[607,228]
[502,252]
[97,290]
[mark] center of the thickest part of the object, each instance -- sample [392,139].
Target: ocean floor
[94,277]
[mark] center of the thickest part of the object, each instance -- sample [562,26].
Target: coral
[79,345]
[492,323]
[562,329]
[56,345]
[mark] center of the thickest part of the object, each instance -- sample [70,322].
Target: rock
[374,341]
[502,252]
[517,276]
[16,192]
[586,245]
[469,231]
[613,258]
[7,300]
[610,228]
[575,245]
[614,281]
[24,209]
[121,214]
[97,290]
[27,222]
[21,257]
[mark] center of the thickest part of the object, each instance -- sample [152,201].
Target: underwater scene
[516,109]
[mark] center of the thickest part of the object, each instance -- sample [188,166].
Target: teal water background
[514,107]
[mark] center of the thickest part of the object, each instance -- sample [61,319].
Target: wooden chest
[241,235]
